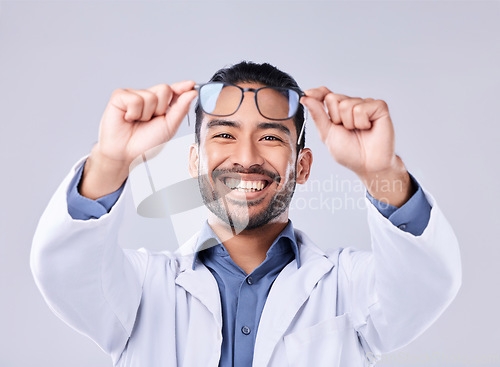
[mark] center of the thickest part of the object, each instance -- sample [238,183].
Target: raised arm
[398,289]
[83,274]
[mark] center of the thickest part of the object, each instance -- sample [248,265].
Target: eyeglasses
[224,99]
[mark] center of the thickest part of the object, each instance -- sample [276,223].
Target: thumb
[319,115]
[178,109]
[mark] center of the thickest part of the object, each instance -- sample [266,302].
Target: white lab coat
[149,309]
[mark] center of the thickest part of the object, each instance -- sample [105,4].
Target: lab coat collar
[201,284]
[207,238]
[290,290]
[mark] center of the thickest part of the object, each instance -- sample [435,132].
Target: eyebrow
[219,122]
[274,125]
[260,126]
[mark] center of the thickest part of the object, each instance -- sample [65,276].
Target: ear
[304,163]
[193,160]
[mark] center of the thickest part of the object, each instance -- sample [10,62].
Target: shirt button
[402,226]
[250,280]
[245,330]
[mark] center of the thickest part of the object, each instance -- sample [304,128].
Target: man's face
[246,165]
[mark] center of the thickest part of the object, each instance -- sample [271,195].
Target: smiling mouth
[245,185]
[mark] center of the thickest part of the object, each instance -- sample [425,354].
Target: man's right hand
[135,120]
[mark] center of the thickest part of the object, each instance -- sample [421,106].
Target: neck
[249,247]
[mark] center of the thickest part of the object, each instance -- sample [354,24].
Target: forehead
[250,85]
[244,119]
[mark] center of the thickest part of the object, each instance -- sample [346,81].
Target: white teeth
[244,186]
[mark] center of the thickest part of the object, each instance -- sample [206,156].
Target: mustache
[252,170]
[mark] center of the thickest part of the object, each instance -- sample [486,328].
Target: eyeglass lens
[274,103]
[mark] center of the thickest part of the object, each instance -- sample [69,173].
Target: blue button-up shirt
[243,295]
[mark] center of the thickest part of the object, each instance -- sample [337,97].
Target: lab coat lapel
[200,282]
[290,290]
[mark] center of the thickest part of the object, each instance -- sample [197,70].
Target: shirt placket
[245,327]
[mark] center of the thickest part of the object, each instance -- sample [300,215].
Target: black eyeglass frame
[243,90]
[301,94]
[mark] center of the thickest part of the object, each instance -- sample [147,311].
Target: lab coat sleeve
[396,291]
[84,276]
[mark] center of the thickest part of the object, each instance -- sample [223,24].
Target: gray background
[434,63]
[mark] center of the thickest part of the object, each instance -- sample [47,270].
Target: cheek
[285,168]
[290,168]
[286,162]
[211,159]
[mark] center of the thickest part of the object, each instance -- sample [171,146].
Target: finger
[150,102]
[361,114]
[318,93]
[319,115]
[164,93]
[332,101]
[182,87]
[361,119]
[376,109]
[130,103]
[178,109]
[345,110]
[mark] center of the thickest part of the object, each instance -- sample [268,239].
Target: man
[248,289]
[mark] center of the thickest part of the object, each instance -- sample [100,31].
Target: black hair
[248,72]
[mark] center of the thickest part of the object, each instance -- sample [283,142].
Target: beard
[238,217]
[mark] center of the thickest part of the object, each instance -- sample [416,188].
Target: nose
[246,154]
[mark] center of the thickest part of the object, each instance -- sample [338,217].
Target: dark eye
[223,136]
[271,138]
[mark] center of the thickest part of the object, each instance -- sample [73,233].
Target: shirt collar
[207,238]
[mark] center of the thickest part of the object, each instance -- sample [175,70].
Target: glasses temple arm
[302,129]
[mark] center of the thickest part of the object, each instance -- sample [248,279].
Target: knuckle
[382,104]
[118,92]
[136,99]
[161,88]
[151,97]
[330,97]
[164,88]
[358,109]
[344,104]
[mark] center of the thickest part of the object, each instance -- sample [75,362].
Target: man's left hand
[360,136]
